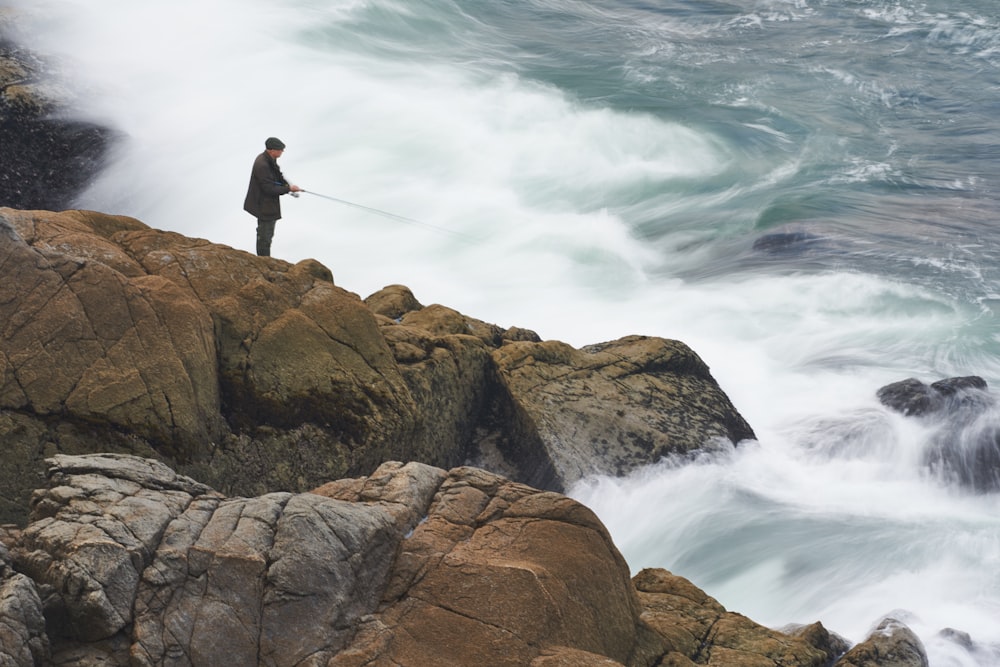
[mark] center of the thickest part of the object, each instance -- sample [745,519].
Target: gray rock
[93,532]
[121,542]
[965,447]
[23,642]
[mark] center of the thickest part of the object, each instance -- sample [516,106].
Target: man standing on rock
[267,184]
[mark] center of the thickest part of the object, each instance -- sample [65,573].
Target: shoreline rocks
[965,447]
[133,563]
[257,375]
[414,565]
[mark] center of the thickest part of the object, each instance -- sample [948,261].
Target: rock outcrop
[965,444]
[256,375]
[413,566]
[891,644]
[700,631]
[556,414]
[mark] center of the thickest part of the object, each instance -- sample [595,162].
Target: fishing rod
[392,216]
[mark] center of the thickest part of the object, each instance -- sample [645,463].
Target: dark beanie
[274,144]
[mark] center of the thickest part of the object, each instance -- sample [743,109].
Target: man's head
[274,146]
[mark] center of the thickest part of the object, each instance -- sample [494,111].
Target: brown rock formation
[555,414]
[699,630]
[257,375]
[891,644]
[512,571]
[411,567]
[618,405]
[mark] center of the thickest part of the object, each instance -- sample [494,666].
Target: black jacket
[266,185]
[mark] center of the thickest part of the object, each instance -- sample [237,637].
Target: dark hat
[275,144]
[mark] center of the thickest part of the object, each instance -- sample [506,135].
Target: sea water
[804,191]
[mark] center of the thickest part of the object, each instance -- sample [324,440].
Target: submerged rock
[915,398]
[965,447]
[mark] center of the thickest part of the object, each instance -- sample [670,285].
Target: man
[266,185]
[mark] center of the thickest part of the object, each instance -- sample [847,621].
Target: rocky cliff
[256,375]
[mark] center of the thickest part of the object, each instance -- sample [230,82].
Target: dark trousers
[265,232]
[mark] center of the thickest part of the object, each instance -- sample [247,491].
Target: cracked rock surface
[22,626]
[413,566]
[256,375]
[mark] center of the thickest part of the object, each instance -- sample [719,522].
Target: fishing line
[393,216]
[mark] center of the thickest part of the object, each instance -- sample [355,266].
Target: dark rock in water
[784,242]
[914,398]
[966,447]
[911,397]
[980,654]
[952,386]
[48,158]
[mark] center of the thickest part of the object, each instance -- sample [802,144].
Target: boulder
[913,397]
[613,407]
[545,413]
[891,644]
[393,301]
[128,549]
[502,574]
[88,333]
[977,653]
[116,336]
[700,631]
[965,445]
[93,533]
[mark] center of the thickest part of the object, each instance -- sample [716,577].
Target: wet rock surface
[965,445]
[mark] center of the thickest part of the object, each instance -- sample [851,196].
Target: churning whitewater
[804,191]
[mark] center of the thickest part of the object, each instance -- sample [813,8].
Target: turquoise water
[805,191]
